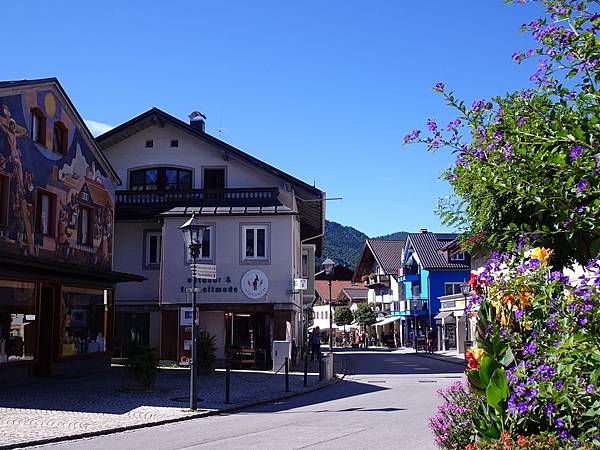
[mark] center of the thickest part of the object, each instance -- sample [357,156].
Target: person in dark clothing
[430,340]
[315,344]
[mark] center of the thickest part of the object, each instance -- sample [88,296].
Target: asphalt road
[384,404]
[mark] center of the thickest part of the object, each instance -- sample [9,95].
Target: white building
[264,229]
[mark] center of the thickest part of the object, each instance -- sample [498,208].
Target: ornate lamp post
[465,289]
[328,266]
[193,232]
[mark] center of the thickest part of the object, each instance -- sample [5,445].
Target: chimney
[197,120]
[423,230]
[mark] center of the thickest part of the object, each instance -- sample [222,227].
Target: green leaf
[497,389]
[486,369]
[508,358]
[475,381]
[595,247]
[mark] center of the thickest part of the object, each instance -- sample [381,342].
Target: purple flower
[559,385]
[552,323]
[549,408]
[519,314]
[520,121]
[576,152]
[479,154]
[530,349]
[582,186]
[559,423]
[478,105]
[439,87]
[534,263]
[582,320]
[589,388]
[563,434]
[431,125]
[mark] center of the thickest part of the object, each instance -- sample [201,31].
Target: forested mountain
[343,244]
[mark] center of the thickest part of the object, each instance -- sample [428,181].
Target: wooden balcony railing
[199,197]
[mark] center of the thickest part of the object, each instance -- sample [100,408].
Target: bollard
[227,380]
[287,375]
[305,370]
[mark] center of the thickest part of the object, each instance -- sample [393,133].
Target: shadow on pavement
[380,363]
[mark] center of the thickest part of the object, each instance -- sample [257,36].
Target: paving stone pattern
[55,407]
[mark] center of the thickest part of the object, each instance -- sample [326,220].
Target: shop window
[452,288]
[86,225]
[4,198]
[60,138]
[38,126]
[255,244]
[152,249]
[18,325]
[44,214]
[161,179]
[213,178]
[84,321]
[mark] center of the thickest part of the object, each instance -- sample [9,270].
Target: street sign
[204,271]
[300,284]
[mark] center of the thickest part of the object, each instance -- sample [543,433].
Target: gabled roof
[428,247]
[322,288]
[312,212]
[86,132]
[354,293]
[388,254]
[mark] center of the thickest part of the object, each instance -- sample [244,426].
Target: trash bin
[327,366]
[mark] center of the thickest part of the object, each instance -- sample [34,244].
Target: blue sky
[324,90]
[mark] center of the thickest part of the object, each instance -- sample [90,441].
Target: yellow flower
[527,324]
[541,253]
[478,353]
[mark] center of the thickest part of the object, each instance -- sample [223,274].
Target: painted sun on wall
[56,202]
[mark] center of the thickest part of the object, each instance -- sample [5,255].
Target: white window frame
[454,283]
[147,240]
[460,256]
[255,226]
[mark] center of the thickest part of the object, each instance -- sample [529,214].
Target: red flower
[471,361]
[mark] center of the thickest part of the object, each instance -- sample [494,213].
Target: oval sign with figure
[255,284]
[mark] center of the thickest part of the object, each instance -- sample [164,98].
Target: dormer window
[60,138]
[458,257]
[38,126]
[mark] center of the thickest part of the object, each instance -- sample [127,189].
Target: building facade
[263,229]
[56,235]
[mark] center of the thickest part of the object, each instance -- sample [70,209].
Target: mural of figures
[61,202]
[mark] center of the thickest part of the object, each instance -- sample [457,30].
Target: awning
[442,315]
[387,321]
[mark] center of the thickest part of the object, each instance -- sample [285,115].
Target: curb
[215,412]
[443,358]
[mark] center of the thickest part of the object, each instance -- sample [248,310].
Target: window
[44,222]
[304,273]
[452,288]
[207,245]
[4,198]
[161,179]
[152,249]
[83,324]
[255,242]
[60,138]
[174,142]
[38,126]
[149,143]
[86,225]
[458,257]
[18,325]
[214,178]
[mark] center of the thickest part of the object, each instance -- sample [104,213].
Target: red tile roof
[322,288]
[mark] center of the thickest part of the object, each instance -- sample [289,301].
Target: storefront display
[84,319]
[18,325]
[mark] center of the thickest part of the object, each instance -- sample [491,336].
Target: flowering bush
[528,163]
[538,365]
[454,418]
[506,442]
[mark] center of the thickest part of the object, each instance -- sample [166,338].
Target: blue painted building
[432,267]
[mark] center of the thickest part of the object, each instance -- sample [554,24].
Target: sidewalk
[448,356]
[57,408]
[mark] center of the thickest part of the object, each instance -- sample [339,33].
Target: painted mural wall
[74,181]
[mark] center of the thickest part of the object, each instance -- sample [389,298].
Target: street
[384,403]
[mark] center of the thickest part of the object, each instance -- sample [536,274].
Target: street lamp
[193,232]
[328,266]
[465,289]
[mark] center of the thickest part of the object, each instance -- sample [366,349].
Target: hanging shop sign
[255,284]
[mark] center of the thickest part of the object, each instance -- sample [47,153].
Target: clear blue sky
[324,90]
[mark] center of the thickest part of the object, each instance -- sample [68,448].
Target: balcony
[140,204]
[373,281]
[409,274]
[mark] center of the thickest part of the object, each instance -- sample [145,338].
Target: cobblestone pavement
[61,407]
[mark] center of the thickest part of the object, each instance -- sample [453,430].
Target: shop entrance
[43,365]
[247,339]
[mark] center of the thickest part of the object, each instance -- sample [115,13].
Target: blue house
[432,267]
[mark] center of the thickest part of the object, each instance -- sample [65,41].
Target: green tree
[527,163]
[364,314]
[343,316]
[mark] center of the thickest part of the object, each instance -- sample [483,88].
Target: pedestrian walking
[430,339]
[315,344]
